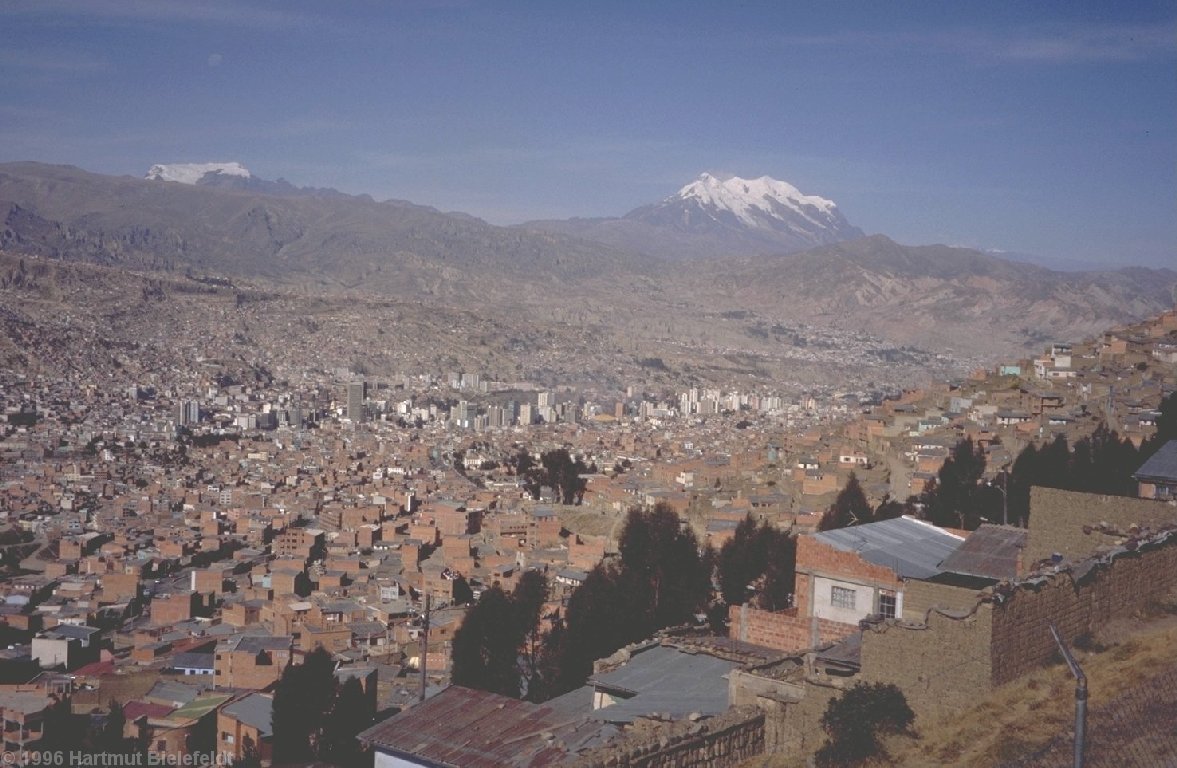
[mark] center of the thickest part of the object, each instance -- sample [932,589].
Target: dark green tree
[890,508]
[758,553]
[111,739]
[63,731]
[527,602]
[660,559]
[855,721]
[849,508]
[742,560]
[486,646]
[956,499]
[250,756]
[301,699]
[1166,424]
[781,571]
[596,625]
[463,594]
[351,712]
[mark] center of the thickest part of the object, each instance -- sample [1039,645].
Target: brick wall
[1057,519]
[783,630]
[720,742]
[815,557]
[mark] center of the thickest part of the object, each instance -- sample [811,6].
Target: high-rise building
[187,412]
[355,400]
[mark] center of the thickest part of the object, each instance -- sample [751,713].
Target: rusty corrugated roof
[991,552]
[466,728]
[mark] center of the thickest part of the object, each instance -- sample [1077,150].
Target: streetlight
[1004,496]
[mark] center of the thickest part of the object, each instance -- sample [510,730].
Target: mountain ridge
[935,296]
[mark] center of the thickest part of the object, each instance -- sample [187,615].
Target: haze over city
[1042,129]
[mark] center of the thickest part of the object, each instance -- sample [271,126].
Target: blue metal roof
[912,548]
[665,680]
[1162,465]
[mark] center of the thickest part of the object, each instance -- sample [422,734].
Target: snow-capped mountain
[193,173]
[765,207]
[715,216]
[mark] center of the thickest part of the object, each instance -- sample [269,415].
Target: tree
[486,646]
[250,756]
[849,508]
[741,561]
[955,500]
[303,695]
[660,581]
[560,472]
[889,509]
[855,721]
[463,594]
[753,553]
[527,601]
[660,559]
[351,712]
[110,739]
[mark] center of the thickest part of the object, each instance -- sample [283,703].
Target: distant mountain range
[759,247]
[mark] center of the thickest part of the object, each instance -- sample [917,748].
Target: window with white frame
[888,603]
[842,597]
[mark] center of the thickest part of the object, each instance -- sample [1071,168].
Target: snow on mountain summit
[192,173]
[749,214]
[747,197]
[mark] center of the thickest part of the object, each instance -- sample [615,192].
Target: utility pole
[1080,697]
[424,653]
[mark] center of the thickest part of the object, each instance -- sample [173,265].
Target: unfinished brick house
[845,576]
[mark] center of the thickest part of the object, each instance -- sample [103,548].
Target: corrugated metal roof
[1162,465]
[912,548]
[990,552]
[255,710]
[667,681]
[467,728]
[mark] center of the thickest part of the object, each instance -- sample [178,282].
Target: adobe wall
[940,666]
[793,708]
[1079,601]
[783,630]
[1057,519]
[919,597]
[719,742]
[945,664]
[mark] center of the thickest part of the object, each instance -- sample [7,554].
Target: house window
[841,597]
[226,737]
[888,602]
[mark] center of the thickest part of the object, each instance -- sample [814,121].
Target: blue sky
[1046,127]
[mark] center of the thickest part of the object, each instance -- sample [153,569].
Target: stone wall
[720,742]
[1057,520]
[783,630]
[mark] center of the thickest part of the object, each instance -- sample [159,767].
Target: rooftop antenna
[1080,696]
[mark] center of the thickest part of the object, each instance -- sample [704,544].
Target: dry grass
[1023,717]
[121,688]
[590,521]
